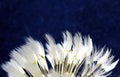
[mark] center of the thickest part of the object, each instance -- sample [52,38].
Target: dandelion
[75,56]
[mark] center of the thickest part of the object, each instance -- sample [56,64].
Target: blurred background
[23,18]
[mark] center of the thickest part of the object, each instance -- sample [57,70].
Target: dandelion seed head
[75,56]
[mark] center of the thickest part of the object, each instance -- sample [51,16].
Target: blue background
[22,18]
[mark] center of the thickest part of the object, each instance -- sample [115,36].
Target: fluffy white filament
[75,56]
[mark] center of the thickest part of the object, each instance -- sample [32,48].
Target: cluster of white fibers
[75,56]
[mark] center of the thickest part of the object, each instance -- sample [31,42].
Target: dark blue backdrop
[21,18]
